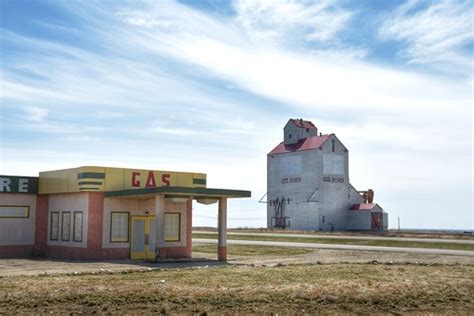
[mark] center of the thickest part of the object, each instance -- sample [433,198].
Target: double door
[143,241]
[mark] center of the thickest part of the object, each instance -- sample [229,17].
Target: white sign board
[290,166]
[333,164]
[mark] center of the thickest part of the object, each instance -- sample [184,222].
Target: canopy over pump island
[106,213]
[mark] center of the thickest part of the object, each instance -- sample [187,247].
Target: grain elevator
[308,185]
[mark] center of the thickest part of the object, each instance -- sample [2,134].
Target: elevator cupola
[298,129]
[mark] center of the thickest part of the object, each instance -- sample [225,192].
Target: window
[333,142]
[172,226]
[54,229]
[66,226]
[289,135]
[307,130]
[13,211]
[119,226]
[77,230]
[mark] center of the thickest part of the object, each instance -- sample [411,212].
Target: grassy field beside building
[250,250]
[347,241]
[329,288]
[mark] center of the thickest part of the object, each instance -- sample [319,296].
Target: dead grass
[333,288]
[250,250]
[345,241]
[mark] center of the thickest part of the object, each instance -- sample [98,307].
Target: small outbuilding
[367,216]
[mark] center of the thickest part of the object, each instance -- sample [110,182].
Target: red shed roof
[302,123]
[311,142]
[363,207]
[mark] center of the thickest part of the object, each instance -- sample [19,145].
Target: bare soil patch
[206,255]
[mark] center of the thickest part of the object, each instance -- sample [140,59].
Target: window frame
[128,228]
[25,206]
[51,227]
[74,226]
[62,226]
[179,227]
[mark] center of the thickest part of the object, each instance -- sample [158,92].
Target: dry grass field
[256,251]
[259,279]
[328,288]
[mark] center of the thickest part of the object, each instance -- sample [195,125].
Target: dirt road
[325,236]
[341,247]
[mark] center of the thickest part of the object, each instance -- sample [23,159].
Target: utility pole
[399,223]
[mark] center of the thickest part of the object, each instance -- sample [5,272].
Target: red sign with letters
[150,180]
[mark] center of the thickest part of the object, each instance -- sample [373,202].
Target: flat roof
[180,191]
[105,179]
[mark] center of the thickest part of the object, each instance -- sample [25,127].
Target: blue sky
[208,85]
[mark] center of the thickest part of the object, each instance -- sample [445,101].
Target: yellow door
[142,245]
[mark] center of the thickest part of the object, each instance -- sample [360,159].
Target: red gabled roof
[302,123]
[311,142]
[363,207]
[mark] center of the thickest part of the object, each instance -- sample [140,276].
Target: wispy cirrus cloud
[314,26]
[314,21]
[433,32]
[35,114]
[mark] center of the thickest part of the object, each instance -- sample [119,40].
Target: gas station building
[99,213]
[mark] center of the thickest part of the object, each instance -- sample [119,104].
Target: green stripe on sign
[91,175]
[95,189]
[199,181]
[90,182]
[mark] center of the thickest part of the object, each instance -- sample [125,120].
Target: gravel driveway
[11,267]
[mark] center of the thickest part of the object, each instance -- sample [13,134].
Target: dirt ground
[30,267]
[13,267]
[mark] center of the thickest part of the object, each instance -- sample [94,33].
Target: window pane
[10,211]
[77,226]
[172,226]
[54,233]
[119,227]
[66,226]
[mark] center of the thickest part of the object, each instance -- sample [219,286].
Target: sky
[207,86]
